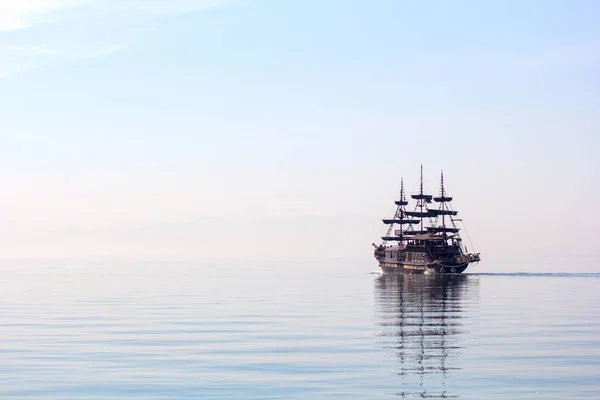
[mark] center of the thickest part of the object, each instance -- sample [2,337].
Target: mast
[442,193]
[401,203]
[444,210]
[398,218]
[402,193]
[422,200]
[421,193]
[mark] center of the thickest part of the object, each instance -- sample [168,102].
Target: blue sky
[135,127]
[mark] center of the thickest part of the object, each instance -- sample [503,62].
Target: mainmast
[421,193]
[442,192]
[422,200]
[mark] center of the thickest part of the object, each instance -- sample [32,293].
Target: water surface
[224,330]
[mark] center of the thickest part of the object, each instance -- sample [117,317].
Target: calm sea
[225,330]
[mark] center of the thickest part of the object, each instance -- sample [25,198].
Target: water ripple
[134,332]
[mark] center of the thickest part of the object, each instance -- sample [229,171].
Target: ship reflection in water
[421,319]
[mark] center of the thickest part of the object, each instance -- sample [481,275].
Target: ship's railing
[473,257]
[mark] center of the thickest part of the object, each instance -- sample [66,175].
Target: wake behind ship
[428,240]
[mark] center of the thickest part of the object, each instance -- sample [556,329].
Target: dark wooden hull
[388,268]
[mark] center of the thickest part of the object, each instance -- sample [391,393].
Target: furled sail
[442,199]
[420,196]
[400,221]
[419,214]
[443,212]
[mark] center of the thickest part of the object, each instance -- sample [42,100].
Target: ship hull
[399,268]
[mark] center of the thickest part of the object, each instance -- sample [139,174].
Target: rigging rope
[464,227]
[468,237]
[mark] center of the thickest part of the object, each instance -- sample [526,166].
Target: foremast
[406,219]
[400,218]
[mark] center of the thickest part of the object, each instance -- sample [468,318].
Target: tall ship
[425,240]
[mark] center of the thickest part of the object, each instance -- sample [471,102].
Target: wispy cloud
[32,51]
[16,58]
[166,7]
[20,14]
[104,51]
[99,38]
